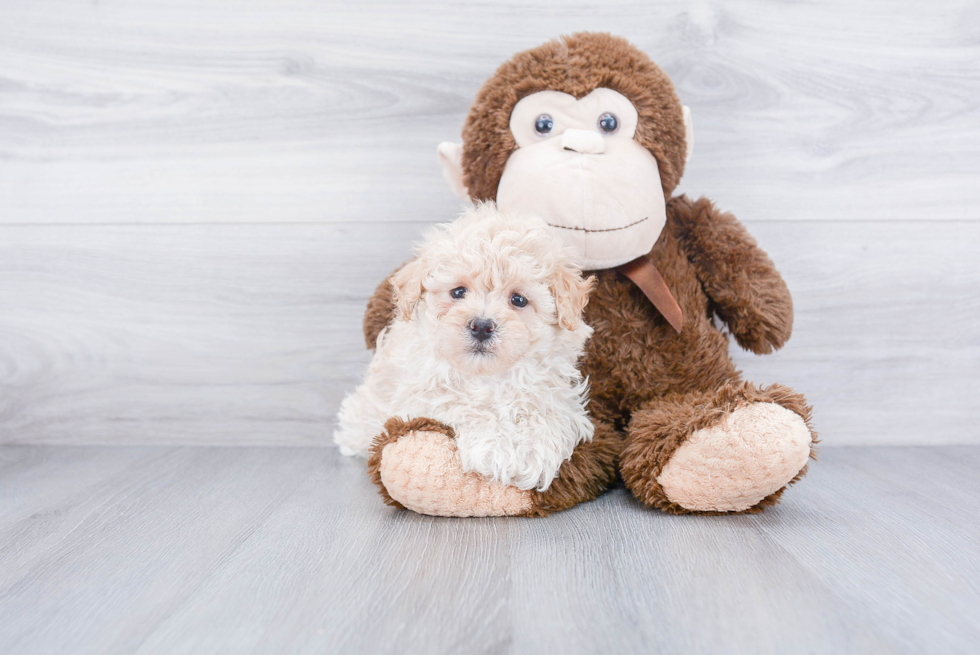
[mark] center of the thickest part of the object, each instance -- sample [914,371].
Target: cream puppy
[487,337]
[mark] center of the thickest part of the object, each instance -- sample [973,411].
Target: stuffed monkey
[588,133]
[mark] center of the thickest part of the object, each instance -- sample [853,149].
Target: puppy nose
[587,142]
[482,329]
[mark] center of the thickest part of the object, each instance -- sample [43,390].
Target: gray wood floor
[289,550]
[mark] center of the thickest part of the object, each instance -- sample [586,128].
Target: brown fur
[650,386]
[589,472]
[380,310]
[396,428]
[745,289]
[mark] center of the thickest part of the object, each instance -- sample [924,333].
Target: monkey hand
[416,466]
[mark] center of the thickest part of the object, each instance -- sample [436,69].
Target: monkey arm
[747,292]
[380,311]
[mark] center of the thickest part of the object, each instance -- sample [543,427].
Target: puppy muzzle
[482,333]
[482,329]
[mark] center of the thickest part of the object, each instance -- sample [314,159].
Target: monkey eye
[608,123]
[458,293]
[517,300]
[543,124]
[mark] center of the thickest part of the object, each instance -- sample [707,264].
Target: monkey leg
[734,449]
[585,475]
[416,466]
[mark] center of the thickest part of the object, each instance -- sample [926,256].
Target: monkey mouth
[608,229]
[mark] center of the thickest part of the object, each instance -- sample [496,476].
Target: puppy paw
[416,466]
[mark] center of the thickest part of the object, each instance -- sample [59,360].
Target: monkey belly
[635,356]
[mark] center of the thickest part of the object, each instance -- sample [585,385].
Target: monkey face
[538,140]
[579,168]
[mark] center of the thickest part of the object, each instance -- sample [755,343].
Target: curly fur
[589,472]
[516,404]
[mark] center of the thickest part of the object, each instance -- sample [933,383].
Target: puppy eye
[517,300]
[608,123]
[544,124]
[458,293]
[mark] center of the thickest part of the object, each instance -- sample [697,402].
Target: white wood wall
[196,197]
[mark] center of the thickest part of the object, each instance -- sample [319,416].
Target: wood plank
[290,550]
[681,585]
[79,468]
[212,335]
[353,576]
[894,533]
[609,574]
[100,570]
[217,112]
[251,334]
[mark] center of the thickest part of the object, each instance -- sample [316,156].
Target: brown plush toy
[588,133]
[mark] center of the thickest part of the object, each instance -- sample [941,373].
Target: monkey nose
[587,142]
[482,329]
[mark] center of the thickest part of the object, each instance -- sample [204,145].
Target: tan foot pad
[422,471]
[731,466]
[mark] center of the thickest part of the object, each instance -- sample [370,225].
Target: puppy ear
[571,293]
[407,282]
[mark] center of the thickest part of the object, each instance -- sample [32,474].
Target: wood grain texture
[266,550]
[250,334]
[305,111]
[197,197]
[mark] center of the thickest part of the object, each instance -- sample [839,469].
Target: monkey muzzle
[585,142]
[603,196]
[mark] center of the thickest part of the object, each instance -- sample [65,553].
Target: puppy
[486,340]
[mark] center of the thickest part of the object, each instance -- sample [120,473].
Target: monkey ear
[688,134]
[407,283]
[451,161]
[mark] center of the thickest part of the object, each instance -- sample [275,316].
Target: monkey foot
[733,465]
[732,449]
[418,467]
